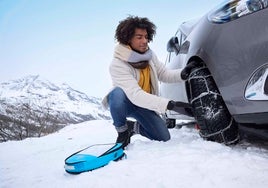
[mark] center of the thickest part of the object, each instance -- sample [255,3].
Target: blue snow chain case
[93,157]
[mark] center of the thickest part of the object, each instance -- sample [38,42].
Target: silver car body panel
[233,52]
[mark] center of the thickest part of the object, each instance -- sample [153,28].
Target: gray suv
[230,88]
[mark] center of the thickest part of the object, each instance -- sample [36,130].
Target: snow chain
[221,132]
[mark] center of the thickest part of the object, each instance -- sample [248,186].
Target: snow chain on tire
[216,123]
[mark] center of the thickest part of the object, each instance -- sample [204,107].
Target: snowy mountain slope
[34,106]
[184,161]
[41,92]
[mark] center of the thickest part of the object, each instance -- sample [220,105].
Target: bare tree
[24,120]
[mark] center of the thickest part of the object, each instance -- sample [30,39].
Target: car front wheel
[215,122]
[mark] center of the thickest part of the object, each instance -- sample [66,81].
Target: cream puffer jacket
[126,77]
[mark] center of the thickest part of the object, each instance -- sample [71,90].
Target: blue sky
[72,41]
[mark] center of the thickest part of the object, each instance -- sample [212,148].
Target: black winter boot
[124,137]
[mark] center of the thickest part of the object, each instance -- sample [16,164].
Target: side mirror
[173,45]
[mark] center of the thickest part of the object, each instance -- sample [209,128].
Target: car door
[175,60]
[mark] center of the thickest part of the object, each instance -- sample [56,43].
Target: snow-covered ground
[184,161]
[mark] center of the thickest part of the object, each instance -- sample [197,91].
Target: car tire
[215,122]
[170,123]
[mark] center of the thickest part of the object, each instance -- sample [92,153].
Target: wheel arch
[195,58]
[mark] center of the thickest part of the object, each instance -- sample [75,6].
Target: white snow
[184,161]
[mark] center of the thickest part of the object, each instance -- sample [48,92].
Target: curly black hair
[126,28]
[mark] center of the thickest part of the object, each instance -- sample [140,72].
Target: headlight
[231,10]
